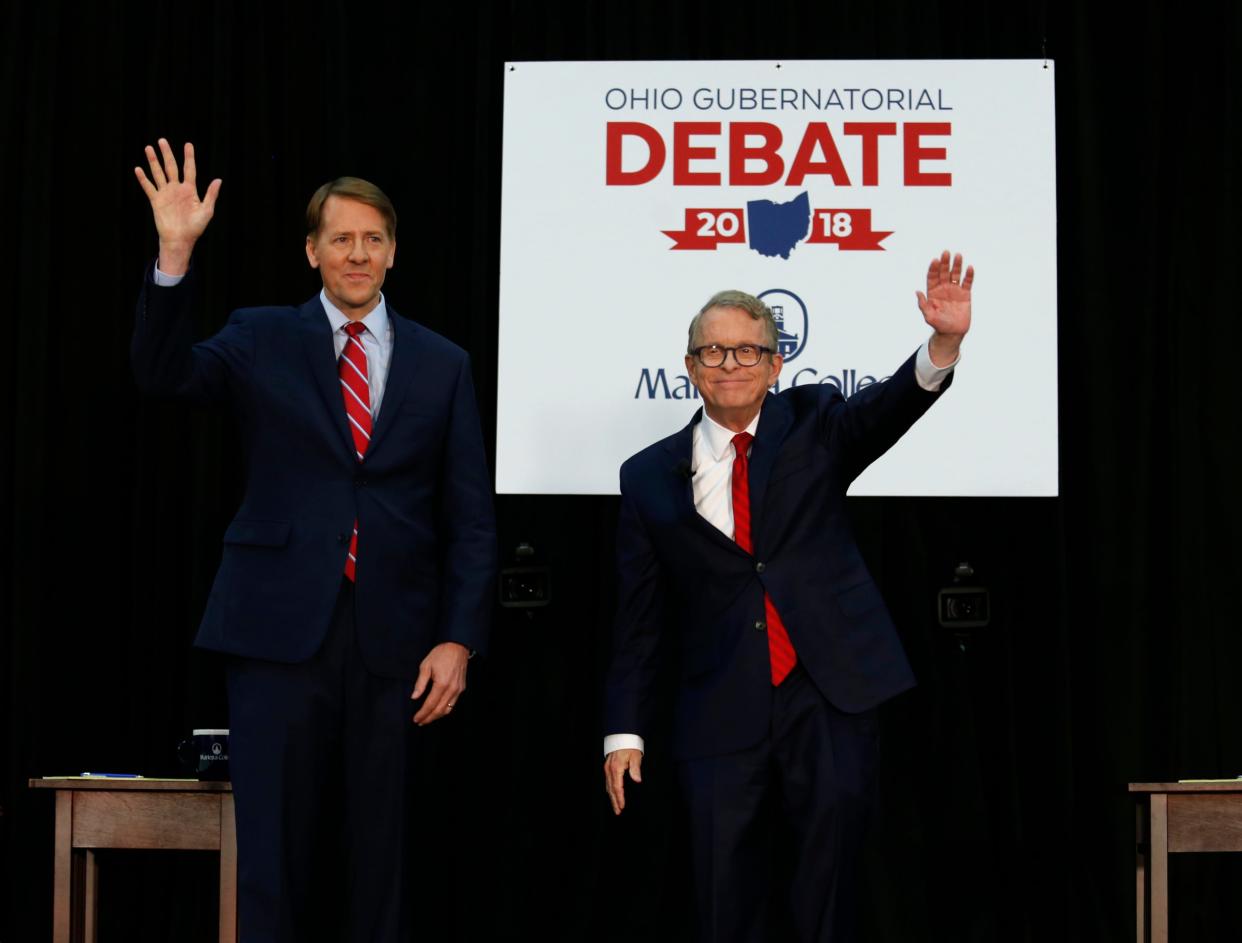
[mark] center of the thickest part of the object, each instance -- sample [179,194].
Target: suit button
[761,626]
[759,567]
[360,482]
[342,538]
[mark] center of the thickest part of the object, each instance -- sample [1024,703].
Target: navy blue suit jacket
[679,574]
[422,496]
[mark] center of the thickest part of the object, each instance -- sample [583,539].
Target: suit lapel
[401,368]
[317,344]
[680,452]
[774,423]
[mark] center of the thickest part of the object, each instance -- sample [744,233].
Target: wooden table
[135,813]
[1174,818]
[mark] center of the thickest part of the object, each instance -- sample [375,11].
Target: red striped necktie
[780,649]
[356,388]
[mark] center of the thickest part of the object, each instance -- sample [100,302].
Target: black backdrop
[1113,646]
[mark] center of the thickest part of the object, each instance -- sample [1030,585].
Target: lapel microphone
[682,469]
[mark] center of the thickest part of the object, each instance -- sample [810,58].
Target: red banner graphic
[707,228]
[848,229]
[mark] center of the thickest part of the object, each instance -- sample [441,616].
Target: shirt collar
[718,438]
[375,321]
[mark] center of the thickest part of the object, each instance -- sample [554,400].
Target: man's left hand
[444,669]
[946,306]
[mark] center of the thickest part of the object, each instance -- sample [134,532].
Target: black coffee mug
[206,754]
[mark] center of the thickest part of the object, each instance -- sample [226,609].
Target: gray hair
[735,299]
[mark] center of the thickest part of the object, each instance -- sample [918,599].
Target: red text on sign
[752,153]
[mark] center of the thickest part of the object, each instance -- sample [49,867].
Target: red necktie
[356,388]
[780,649]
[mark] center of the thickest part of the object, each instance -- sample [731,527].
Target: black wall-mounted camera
[525,585]
[962,606]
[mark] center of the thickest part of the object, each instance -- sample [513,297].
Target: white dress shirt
[376,341]
[711,467]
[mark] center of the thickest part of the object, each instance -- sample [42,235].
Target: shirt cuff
[164,281]
[927,373]
[623,741]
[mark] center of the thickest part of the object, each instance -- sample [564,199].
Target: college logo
[792,322]
[792,328]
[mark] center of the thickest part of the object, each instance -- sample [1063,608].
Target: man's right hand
[180,217]
[615,766]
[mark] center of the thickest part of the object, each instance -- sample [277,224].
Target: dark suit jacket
[422,496]
[679,574]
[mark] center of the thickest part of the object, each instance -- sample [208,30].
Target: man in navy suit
[735,552]
[357,573]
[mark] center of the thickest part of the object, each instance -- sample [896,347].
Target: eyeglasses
[747,355]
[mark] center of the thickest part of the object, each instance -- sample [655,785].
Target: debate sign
[633,191]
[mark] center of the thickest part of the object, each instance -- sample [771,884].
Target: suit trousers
[319,755]
[777,829]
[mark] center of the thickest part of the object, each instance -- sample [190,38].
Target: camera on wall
[525,585]
[963,605]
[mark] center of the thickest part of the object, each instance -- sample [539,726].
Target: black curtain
[1113,643]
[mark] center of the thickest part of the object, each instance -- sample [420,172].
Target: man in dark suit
[357,573]
[734,551]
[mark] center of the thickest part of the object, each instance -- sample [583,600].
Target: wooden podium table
[1174,818]
[135,813]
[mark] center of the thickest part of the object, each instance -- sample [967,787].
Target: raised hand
[180,216]
[946,306]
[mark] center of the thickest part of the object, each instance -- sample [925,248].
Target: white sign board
[633,191]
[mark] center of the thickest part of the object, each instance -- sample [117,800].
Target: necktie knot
[354,328]
[741,442]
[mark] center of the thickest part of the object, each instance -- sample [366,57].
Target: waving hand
[180,216]
[946,306]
